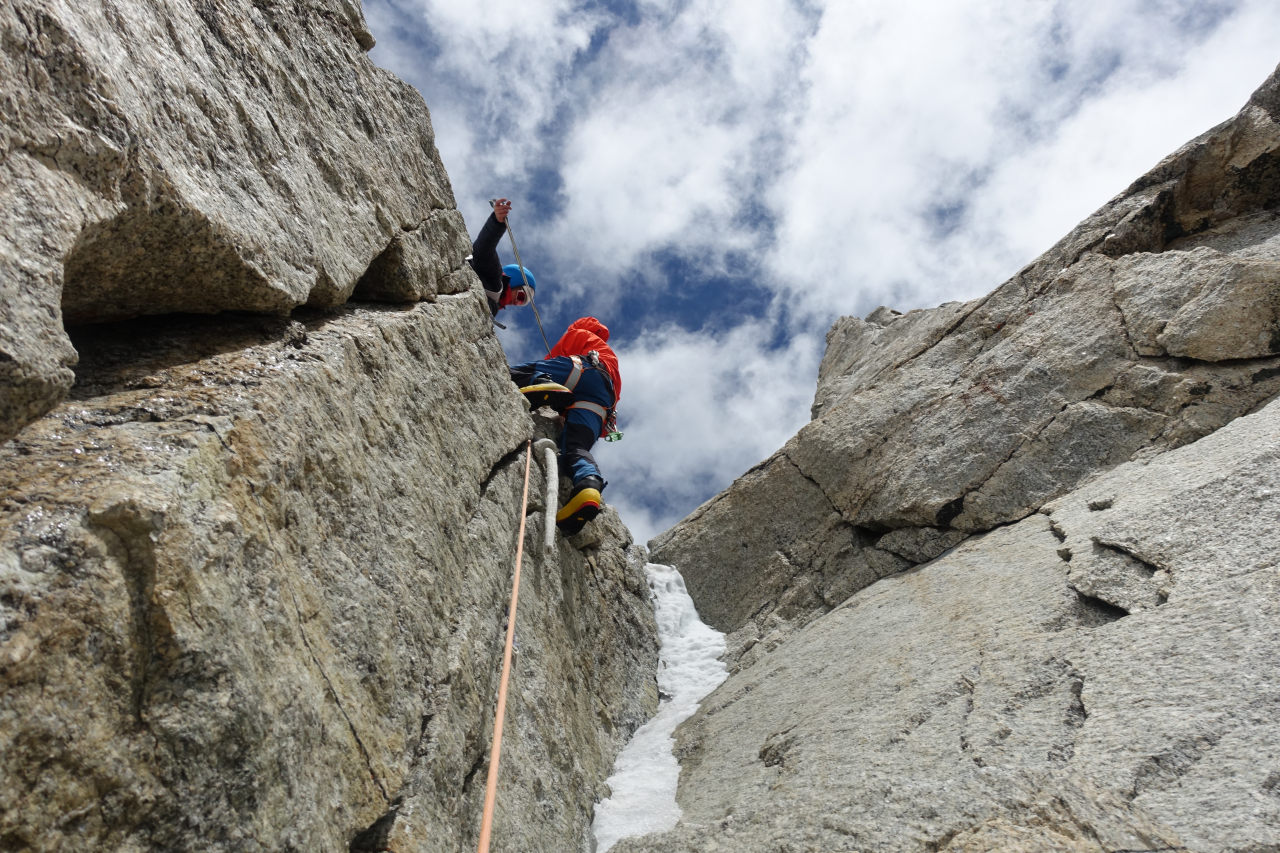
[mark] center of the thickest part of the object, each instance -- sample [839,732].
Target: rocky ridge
[174,156]
[254,566]
[1155,322]
[1023,593]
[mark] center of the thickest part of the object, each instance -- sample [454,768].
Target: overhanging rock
[171,156]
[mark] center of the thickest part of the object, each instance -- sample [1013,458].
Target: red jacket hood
[583,336]
[592,325]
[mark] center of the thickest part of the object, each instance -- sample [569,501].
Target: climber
[504,285]
[580,379]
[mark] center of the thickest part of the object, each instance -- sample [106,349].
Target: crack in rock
[1128,552]
[1102,611]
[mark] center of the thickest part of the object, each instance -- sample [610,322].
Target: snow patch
[689,667]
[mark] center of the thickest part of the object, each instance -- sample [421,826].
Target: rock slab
[1103,675]
[253,576]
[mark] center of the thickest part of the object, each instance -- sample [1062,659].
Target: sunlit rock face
[177,156]
[253,578]
[1015,585]
[1101,675]
[255,566]
[1152,324]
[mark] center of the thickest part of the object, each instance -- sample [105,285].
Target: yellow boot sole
[551,394]
[580,509]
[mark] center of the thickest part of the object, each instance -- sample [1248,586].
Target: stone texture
[179,156]
[774,545]
[860,351]
[1028,690]
[419,263]
[1116,532]
[1201,304]
[920,544]
[1152,324]
[253,575]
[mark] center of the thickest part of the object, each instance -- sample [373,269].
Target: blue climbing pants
[581,426]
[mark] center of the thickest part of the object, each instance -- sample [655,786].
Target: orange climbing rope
[491,786]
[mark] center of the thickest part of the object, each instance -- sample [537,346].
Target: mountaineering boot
[584,505]
[543,391]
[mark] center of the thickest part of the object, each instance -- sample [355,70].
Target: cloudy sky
[719,181]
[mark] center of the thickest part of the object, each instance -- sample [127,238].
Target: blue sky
[720,181]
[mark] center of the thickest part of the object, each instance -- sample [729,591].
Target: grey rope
[552,471]
[511,234]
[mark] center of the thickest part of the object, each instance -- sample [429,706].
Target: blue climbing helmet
[512,271]
[515,293]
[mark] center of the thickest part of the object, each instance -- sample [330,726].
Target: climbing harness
[594,408]
[532,304]
[608,416]
[552,499]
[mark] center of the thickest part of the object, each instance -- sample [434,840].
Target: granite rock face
[1015,586]
[178,156]
[254,567]
[253,577]
[1154,323]
[1103,675]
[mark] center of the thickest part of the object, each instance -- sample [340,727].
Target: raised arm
[484,252]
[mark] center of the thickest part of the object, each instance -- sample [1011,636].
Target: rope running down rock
[491,785]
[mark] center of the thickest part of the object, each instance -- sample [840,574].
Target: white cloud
[492,73]
[670,121]
[1120,133]
[1020,118]
[698,410]
[902,152]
